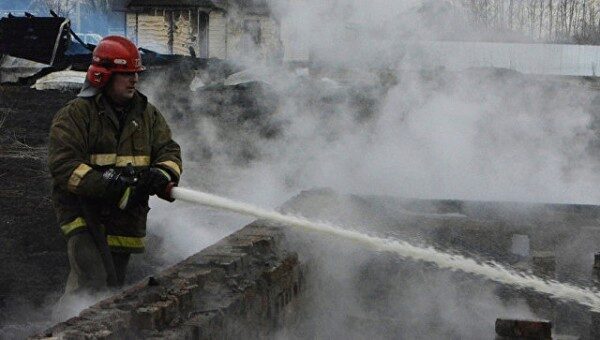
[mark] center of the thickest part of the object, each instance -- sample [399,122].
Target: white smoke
[369,121]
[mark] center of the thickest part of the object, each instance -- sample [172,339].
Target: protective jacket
[86,138]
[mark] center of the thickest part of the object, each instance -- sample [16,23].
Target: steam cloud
[468,135]
[477,134]
[373,122]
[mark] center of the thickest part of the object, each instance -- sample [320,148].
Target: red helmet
[113,54]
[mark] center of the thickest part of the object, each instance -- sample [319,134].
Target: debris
[152,281]
[62,80]
[39,39]
[12,69]
[524,329]
[596,270]
[196,83]
[520,245]
[595,325]
[544,263]
[246,76]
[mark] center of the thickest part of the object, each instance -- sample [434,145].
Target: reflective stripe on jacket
[85,139]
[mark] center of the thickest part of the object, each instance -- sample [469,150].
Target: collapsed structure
[212,28]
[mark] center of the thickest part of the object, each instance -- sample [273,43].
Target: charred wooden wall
[224,36]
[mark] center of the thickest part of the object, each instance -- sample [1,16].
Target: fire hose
[94,227]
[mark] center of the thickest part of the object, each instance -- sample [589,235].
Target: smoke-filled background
[368,120]
[371,122]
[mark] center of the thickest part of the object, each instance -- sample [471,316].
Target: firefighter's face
[121,87]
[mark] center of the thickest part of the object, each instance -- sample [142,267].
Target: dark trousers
[87,269]
[87,278]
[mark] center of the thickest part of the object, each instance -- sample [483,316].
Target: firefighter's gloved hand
[114,183]
[155,181]
[119,187]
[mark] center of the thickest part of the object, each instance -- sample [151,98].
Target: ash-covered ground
[34,262]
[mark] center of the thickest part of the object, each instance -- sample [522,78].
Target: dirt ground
[34,262]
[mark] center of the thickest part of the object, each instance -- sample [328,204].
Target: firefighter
[110,149]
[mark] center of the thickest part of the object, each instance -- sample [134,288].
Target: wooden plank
[182,37]
[217,35]
[153,32]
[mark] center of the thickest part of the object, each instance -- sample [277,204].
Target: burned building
[212,28]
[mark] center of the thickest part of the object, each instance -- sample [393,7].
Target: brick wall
[236,288]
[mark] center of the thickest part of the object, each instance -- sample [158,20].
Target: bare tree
[61,7]
[551,20]
[541,20]
[571,13]
[583,16]
[510,13]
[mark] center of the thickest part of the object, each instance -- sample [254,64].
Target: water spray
[489,270]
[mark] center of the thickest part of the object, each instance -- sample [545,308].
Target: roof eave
[141,7]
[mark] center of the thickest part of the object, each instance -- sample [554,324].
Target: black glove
[155,181]
[121,186]
[115,183]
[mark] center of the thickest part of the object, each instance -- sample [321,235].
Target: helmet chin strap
[88,90]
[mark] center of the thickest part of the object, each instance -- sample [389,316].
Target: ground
[35,264]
